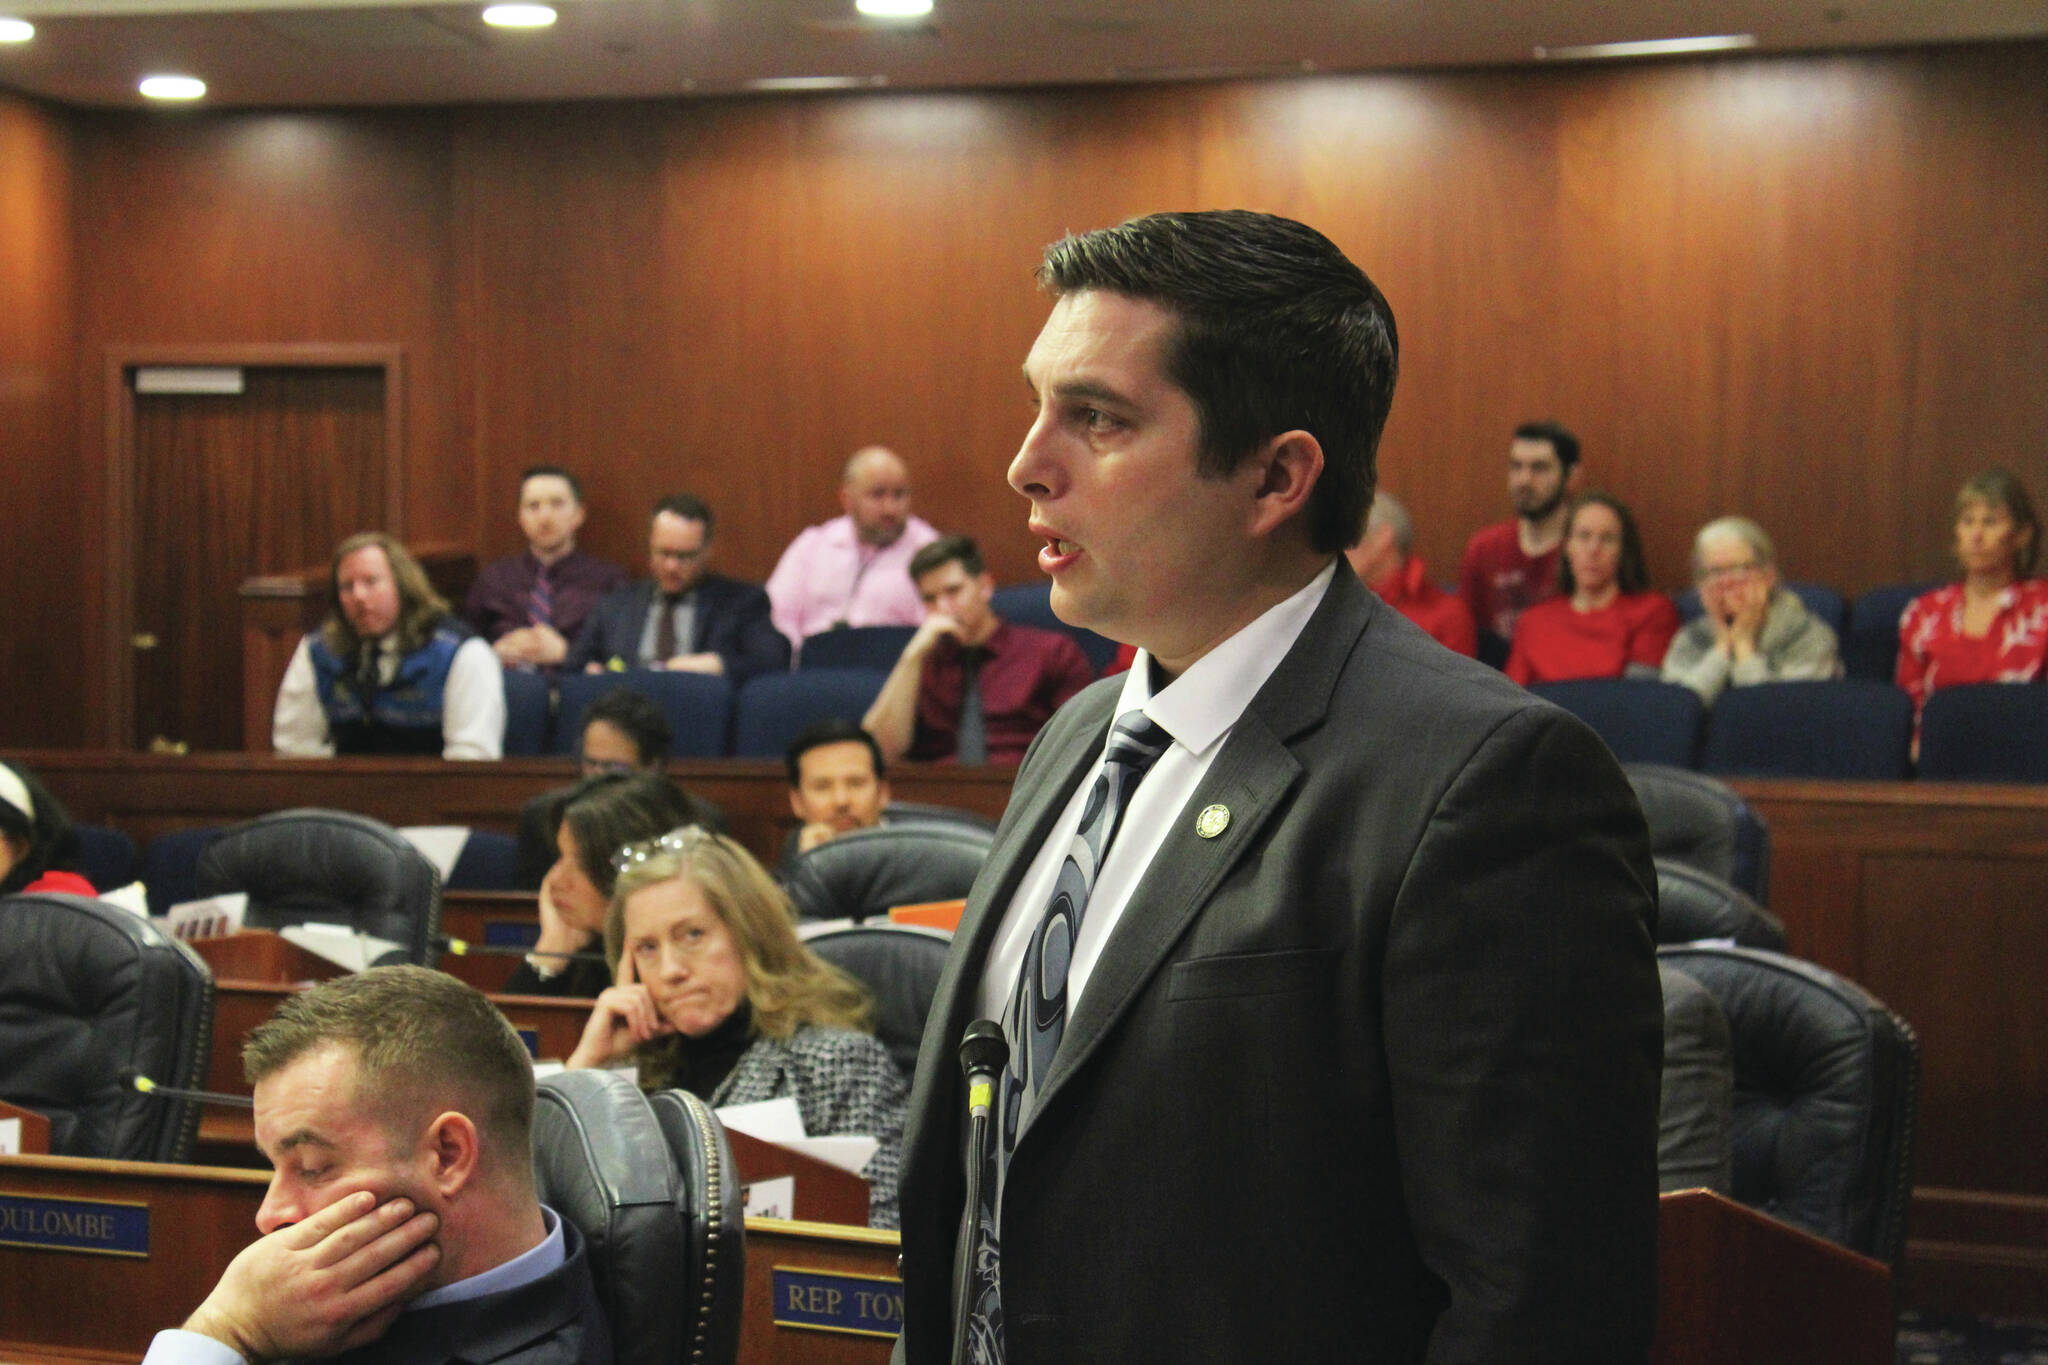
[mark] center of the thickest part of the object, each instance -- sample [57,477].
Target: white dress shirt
[176,1346]
[472,704]
[1198,709]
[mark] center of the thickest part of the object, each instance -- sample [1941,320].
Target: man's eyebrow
[1070,389]
[304,1137]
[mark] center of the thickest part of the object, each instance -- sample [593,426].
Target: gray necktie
[1036,1019]
[972,745]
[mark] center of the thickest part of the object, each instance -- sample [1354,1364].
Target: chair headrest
[870,870]
[900,964]
[88,992]
[330,867]
[1691,905]
[709,1189]
[600,1161]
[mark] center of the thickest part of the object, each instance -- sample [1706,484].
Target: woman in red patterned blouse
[1605,623]
[1992,626]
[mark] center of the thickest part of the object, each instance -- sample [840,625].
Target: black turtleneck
[702,1064]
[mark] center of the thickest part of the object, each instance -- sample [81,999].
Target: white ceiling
[335,52]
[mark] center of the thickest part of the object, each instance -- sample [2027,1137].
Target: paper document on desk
[782,1123]
[440,844]
[339,944]
[214,917]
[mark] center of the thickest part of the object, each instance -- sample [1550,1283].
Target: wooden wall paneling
[40,524]
[262,229]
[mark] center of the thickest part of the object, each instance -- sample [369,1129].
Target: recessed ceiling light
[172,87]
[788,83]
[16,30]
[520,16]
[893,9]
[1654,47]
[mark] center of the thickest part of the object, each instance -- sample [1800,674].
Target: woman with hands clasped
[1750,629]
[715,994]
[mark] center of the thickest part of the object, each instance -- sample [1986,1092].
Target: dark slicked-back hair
[689,507]
[1278,332]
[424,1043]
[1562,441]
[1632,575]
[946,550]
[552,471]
[611,810]
[831,730]
[639,718]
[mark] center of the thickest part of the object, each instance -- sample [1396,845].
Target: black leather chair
[600,1160]
[328,867]
[714,1214]
[89,992]
[1700,820]
[900,964]
[868,871]
[1692,905]
[1827,1087]
[1696,1102]
[489,861]
[106,856]
[924,813]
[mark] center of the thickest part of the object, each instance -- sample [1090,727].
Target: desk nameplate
[96,1227]
[837,1301]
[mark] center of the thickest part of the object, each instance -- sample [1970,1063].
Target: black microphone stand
[983,1054]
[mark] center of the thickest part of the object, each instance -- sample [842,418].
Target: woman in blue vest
[392,671]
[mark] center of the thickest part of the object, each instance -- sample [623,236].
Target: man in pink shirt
[854,570]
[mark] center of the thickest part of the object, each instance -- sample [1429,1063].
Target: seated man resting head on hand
[401,1224]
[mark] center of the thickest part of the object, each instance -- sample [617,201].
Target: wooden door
[227,486]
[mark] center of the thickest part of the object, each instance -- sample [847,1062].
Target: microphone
[137,1081]
[462,947]
[984,1052]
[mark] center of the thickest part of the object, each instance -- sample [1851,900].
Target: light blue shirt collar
[543,1260]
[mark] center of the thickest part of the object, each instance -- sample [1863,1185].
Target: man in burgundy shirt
[1512,565]
[1383,561]
[529,606]
[970,686]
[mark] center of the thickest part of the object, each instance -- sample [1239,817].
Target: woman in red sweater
[1992,626]
[1605,622]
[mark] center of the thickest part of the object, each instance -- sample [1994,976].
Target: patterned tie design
[1036,1018]
[540,603]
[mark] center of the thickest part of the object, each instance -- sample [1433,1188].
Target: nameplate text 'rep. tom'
[829,1301]
[90,1225]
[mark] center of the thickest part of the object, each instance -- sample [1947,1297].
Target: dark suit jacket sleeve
[735,625]
[602,635]
[1523,1028]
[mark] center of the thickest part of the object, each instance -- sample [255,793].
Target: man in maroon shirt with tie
[970,686]
[529,606]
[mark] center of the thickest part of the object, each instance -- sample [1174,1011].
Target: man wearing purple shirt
[531,605]
[855,569]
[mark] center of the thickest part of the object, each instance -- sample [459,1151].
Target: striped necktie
[1036,1019]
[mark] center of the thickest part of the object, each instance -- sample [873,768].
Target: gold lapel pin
[1212,821]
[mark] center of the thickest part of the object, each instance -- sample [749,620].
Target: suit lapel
[1251,777]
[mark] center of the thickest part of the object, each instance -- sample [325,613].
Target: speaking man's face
[1134,537]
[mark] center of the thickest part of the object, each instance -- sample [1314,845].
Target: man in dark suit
[401,1224]
[684,618]
[1322,953]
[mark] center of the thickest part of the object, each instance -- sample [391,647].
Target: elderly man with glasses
[1750,629]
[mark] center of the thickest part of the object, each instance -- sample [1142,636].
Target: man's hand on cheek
[327,1284]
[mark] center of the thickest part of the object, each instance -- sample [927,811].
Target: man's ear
[882,787]
[1289,466]
[796,803]
[452,1152]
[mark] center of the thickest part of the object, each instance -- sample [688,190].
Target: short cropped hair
[639,718]
[946,550]
[1633,574]
[424,1042]
[832,730]
[552,471]
[420,608]
[1743,529]
[689,507]
[2003,488]
[1278,332]
[1562,441]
